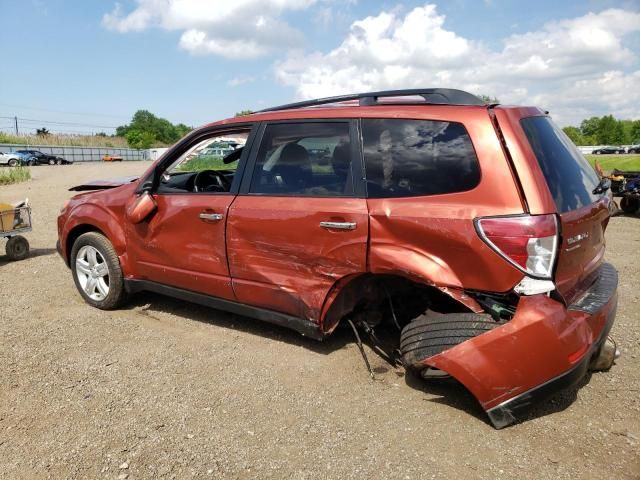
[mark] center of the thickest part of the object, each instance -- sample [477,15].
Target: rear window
[570,178]
[406,158]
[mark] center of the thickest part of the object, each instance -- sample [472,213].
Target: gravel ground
[167,389]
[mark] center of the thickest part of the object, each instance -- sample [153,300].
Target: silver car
[10,159]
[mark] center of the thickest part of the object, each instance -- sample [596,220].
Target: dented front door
[286,254]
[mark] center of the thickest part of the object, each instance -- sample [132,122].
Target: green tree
[610,131]
[182,129]
[634,132]
[590,127]
[140,139]
[488,99]
[160,128]
[574,134]
[242,113]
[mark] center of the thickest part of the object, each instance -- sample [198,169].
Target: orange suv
[465,240]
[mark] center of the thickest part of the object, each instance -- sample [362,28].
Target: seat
[294,167]
[341,163]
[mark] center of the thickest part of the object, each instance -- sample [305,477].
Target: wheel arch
[358,291]
[75,233]
[92,218]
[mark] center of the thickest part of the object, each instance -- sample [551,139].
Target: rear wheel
[433,333]
[17,248]
[96,271]
[31,163]
[630,205]
[52,161]
[59,161]
[13,162]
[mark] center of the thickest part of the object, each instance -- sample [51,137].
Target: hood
[103,184]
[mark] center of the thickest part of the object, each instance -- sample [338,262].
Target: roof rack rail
[435,96]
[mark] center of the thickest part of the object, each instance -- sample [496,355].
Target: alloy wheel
[92,272]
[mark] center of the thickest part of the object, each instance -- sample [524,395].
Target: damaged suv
[474,232]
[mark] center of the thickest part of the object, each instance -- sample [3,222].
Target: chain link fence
[80,154]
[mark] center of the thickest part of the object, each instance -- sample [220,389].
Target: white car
[10,159]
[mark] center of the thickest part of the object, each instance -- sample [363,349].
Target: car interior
[202,170]
[304,159]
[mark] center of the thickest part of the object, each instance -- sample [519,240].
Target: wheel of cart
[14,222]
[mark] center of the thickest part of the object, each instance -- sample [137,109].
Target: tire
[433,333]
[13,162]
[90,277]
[52,161]
[630,205]
[31,163]
[59,161]
[17,248]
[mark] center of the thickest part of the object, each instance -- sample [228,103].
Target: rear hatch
[582,208]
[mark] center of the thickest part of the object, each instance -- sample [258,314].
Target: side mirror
[141,208]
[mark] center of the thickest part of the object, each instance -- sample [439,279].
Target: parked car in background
[634,149]
[608,150]
[470,237]
[111,158]
[36,157]
[10,159]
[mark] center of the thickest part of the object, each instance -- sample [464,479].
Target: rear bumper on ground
[545,347]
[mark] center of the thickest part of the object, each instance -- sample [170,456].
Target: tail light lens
[529,242]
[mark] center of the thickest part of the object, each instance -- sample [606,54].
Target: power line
[51,122]
[61,111]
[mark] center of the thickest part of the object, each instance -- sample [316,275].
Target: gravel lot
[167,389]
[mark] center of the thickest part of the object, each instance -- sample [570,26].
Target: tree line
[146,130]
[605,130]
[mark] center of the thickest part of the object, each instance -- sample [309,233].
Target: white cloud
[574,67]
[242,80]
[234,29]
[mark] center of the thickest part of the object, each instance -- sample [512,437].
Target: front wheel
[52,161]
[17,248]
[31,163]
[13,162]
[59,161]
[97,272]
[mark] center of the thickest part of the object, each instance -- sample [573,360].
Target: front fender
[98,218]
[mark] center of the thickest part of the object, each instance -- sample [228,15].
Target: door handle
[338,225]
[211,217]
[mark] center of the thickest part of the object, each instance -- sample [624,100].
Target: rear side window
[570,178]
[304,159]
[405,158]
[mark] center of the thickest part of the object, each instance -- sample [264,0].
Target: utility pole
[15,119]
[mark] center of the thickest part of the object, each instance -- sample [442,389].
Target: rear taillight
[530,242]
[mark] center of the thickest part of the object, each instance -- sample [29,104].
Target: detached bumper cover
[545,347]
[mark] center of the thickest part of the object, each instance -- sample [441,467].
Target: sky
[87,66]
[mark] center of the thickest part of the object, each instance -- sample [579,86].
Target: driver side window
[206,167]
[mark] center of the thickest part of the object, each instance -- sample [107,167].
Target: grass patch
[14,175]
[621,162]
[206,162]
[65,140]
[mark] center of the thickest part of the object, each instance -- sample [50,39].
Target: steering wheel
[208,178]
